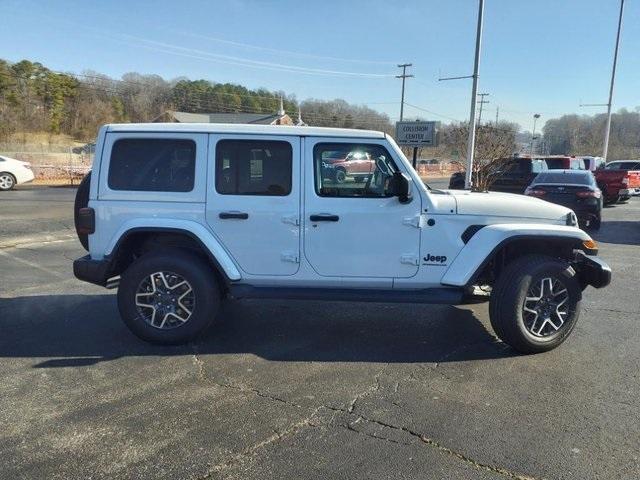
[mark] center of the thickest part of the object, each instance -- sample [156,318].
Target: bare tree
[494,147]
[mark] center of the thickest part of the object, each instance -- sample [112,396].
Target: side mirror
[400,186]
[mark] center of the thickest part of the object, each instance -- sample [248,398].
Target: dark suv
[515,174]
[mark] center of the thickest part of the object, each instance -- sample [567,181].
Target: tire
[341,175]
[596,222]
[81,201]
[170,327]
[611,200]
[623,199]
[7,181]
[606,198]
[525,276]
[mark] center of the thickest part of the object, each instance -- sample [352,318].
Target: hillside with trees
[34,98]
[584,134]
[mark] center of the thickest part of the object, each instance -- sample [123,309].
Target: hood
[506,205]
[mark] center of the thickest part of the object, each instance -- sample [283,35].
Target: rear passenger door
[253,200]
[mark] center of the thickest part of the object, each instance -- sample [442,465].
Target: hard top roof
[240,129]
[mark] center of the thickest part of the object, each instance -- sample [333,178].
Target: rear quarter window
[152,165]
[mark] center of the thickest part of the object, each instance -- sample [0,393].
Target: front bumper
[631,192]
[92,271]
[592,270]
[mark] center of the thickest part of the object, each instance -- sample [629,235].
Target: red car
[619,180]
[358,165]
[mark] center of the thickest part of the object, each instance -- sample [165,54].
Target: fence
[58,164]
[442,169]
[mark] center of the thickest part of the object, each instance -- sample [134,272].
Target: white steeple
[300,122]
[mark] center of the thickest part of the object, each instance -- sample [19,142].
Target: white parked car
[181,216]
[14,172]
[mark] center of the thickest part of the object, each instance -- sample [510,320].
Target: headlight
[572,220]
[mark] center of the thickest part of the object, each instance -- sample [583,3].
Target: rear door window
[254,167]
[152,165]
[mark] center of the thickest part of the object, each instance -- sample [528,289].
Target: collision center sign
[416,134]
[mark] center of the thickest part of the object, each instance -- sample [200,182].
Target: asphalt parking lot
[286,389]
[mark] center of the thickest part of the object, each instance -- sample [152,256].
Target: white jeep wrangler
[181,216]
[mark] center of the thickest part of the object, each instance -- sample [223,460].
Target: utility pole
[471,144]
[536,116]
[404,76]
[605,149]
[482,101]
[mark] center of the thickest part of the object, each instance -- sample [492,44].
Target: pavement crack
[441,448]
[368,391]
[248,452]
[206,378]
[308,421]
[351,428]
[611,310]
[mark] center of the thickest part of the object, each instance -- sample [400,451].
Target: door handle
[324,217]
[237,215]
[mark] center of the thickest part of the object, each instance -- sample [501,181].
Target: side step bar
[449,296]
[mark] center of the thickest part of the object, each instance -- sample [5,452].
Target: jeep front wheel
[535,303]
[168,297]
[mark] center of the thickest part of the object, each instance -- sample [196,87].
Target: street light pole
[404,76]
[605,149]
[536,116]
[471,144]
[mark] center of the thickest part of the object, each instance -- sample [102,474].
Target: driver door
[356,228]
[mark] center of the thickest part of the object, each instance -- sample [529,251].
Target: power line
[432,112]
[284,52]
[240,61]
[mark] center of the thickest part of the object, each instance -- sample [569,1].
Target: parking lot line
[33,265]
[36,241]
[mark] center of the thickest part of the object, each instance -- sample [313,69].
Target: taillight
[625,181]
[589,194]
[86,222]
[534,192]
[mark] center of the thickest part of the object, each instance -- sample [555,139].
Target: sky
[538,56]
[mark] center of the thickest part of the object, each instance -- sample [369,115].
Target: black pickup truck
[515,174]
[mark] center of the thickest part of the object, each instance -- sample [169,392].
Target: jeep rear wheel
[168,297]
[535,303]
